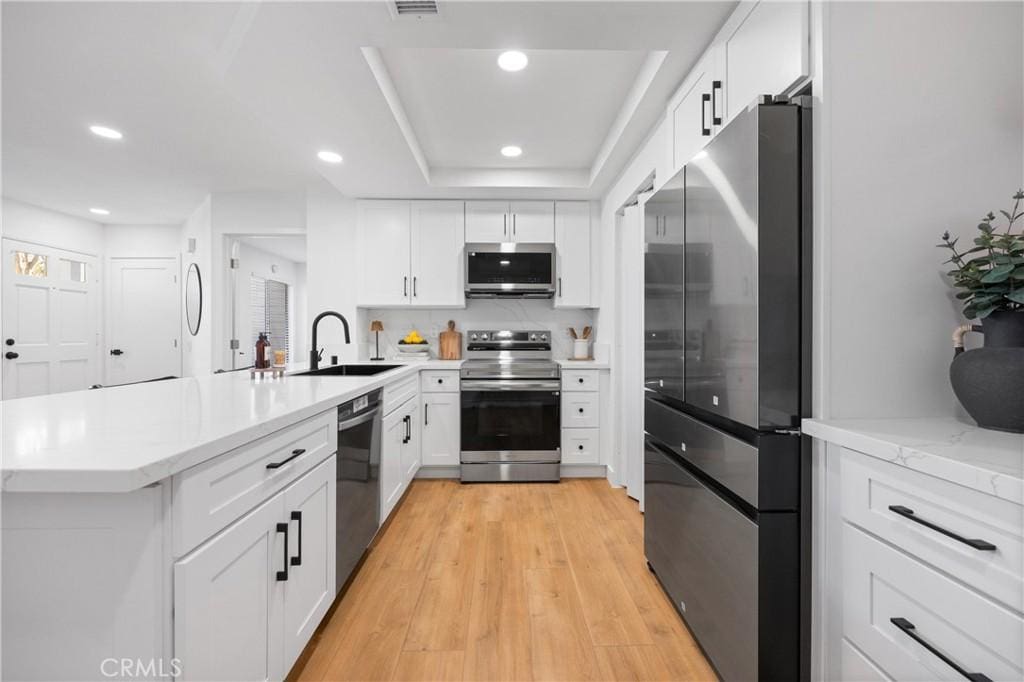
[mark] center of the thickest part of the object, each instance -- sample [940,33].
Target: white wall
[141,241]
[197,351]
[331,268]
[42,226]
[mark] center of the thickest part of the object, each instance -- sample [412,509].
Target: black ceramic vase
[989,381]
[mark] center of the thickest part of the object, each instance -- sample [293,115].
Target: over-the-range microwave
[512,270]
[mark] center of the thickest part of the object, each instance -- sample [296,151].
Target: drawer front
[209,496]
[872,486]
[581,446]
[854,665]
[397,393]
[881,583]
[580,380]
[580,411]
[439,381]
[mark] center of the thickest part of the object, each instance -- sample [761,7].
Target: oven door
[511,420]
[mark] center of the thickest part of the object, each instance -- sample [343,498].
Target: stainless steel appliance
[511,407]
[358,488]
[510,270]
[727,377]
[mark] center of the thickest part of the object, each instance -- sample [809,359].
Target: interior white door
[143,319]
[572,251]
[533,221]
[384,253]
[487,222]
[438,235]
[50,313]
[441,419]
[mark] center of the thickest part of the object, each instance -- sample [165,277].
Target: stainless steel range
[511,407]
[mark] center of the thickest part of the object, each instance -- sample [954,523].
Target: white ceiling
[240,96]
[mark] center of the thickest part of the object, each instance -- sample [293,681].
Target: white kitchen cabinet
[691,109]
[384,252]
[492,222]
[411,447]
[572,253]
[441,423]
[410,253]
[392,483]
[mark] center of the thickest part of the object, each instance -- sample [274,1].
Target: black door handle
[117,351]
[426,414]
[297,560]
[704,130]
[908,513]
[909,630]
[9,342]
[295,453]
[715,118]
[283,528]
[405,286]
[414,287]
[408,429]
[11,355]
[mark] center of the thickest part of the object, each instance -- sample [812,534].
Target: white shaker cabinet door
[228,600]
[692,117]
[309,591]
[572,250]
[383,244]
[438,235]
[441,423]
[488,222]
[391,480]
[533,221]
[411,448]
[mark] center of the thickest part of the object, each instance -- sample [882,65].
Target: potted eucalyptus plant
[989,276]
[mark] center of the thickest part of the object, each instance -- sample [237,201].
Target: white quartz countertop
[952,449]
[124,438]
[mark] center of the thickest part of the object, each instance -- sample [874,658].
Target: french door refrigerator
[727,381]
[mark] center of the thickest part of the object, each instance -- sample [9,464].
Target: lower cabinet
[441,434]
[247,601]
[411,448]
[400,453]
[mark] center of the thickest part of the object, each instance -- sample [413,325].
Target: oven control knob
[543,337]
[483,337]
[533,337]
[472,337]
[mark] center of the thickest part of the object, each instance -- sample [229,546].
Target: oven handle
[508,385]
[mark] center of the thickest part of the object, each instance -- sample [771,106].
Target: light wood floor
[507,582]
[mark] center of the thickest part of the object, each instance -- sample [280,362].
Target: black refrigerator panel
[743,206]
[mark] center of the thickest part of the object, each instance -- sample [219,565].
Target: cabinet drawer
[580,380]
[581,446]
[211,495]
[872,487]
[397,393]
[580,410]
[439,381]
[881,583]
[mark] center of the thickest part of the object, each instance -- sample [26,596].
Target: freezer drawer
[735,581]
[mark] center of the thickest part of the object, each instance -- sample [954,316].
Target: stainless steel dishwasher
[358,503]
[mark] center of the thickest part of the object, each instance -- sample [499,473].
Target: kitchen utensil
[586,332]
[450,343]
[572,333]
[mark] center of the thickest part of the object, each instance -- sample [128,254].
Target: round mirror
[193,299]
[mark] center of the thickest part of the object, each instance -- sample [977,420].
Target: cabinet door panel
[384,252]
[228,601]
[440,442]
[691,116]
[391,480]
[487,222]
[572,250]
[533,221]
[411,449]
[438,235]
[309,590]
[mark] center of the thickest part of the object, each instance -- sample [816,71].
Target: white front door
[50,333]
[143,319]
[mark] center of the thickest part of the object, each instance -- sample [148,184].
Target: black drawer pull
[909,630]
[580,380]
[295,453]
[581,410]
[440,381]
[579,447]
[908,513]
[283,528]
[297,560]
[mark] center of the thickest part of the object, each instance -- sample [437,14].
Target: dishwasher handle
[356,421]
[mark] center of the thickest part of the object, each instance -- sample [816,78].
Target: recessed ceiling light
[104,131]
[329,157]
[511,151]
[513,60]
[99,211]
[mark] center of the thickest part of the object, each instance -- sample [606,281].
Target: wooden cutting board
[450,343]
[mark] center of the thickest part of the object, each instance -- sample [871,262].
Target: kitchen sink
[349,370]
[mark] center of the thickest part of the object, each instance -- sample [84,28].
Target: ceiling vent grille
[413,9]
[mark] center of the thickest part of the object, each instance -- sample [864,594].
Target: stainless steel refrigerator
[726,324]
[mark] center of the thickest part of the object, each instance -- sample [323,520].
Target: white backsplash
[479,314]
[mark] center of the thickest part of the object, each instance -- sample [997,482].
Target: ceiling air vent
[413,9]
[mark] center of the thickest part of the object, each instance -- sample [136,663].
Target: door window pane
[73,270]
[29,264]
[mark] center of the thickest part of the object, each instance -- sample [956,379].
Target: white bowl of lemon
[413,344]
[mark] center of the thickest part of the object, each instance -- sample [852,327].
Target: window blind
[268,304]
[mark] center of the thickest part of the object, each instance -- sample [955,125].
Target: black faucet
[314,354]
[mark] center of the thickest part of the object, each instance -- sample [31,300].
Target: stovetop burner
[506,354]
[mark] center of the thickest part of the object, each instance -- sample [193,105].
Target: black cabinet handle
[579,447]
[408,428]
[283,528]
[426,414]
[908,513]
[414,286]
[405,286]
[11,355]
[581,410]
[440,381]
[297,560]
[716,86]
[909,630]
[705,131]
[9,342]
[295,453]
[580,380]
[117,351]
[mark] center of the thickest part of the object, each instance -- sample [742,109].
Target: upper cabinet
[693,110]
[411,253]
[517,221]
[573,254]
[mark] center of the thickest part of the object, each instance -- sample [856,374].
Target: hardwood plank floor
[513,582]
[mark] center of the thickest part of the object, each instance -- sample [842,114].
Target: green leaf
[1017,296]
[982,313]
[999,273]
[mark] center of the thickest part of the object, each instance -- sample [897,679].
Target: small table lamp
[376,326]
